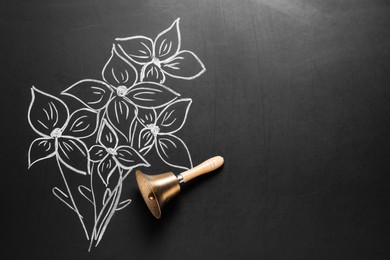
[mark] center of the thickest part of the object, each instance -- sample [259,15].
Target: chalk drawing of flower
[158,132]
[60,133]
[130,101]
[120,94]
[60,137]
[109,155]
[162,56]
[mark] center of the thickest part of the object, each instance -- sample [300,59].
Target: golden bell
[157,190]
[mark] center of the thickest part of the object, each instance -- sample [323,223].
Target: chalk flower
[119,93]
[162,56]
[60,133]
[158,131]
[109,155]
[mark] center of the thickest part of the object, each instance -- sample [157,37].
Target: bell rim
[141,178]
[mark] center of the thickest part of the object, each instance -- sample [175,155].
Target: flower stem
[94,208]
[113,209]
[103,220]
[71,198]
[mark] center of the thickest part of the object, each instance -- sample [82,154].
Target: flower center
[121,90]
[111,151]
[153,129]
[156,62]
[56,133]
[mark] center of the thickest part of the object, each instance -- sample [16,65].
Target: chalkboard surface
[295,96]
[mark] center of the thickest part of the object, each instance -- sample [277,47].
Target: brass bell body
[157,190]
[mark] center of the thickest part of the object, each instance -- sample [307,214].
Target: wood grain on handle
[205,167]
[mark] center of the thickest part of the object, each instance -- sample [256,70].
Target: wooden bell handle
[205,167]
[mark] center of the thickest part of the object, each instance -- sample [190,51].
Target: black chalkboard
[293,94]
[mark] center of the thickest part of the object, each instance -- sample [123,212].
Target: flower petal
[73,153]
[146,116]
[173,117]
[92,93]
[107,135]
[184,65]
[106,167]
[145,141]
[118,71]
[151,95]
[40,149]
[128,158]
[82,123]
[137,48]
[121,115]
[46,112]
[151,72]
[97,153]
[168,42]
[173,151]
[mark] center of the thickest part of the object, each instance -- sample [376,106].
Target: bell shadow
[153,228]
